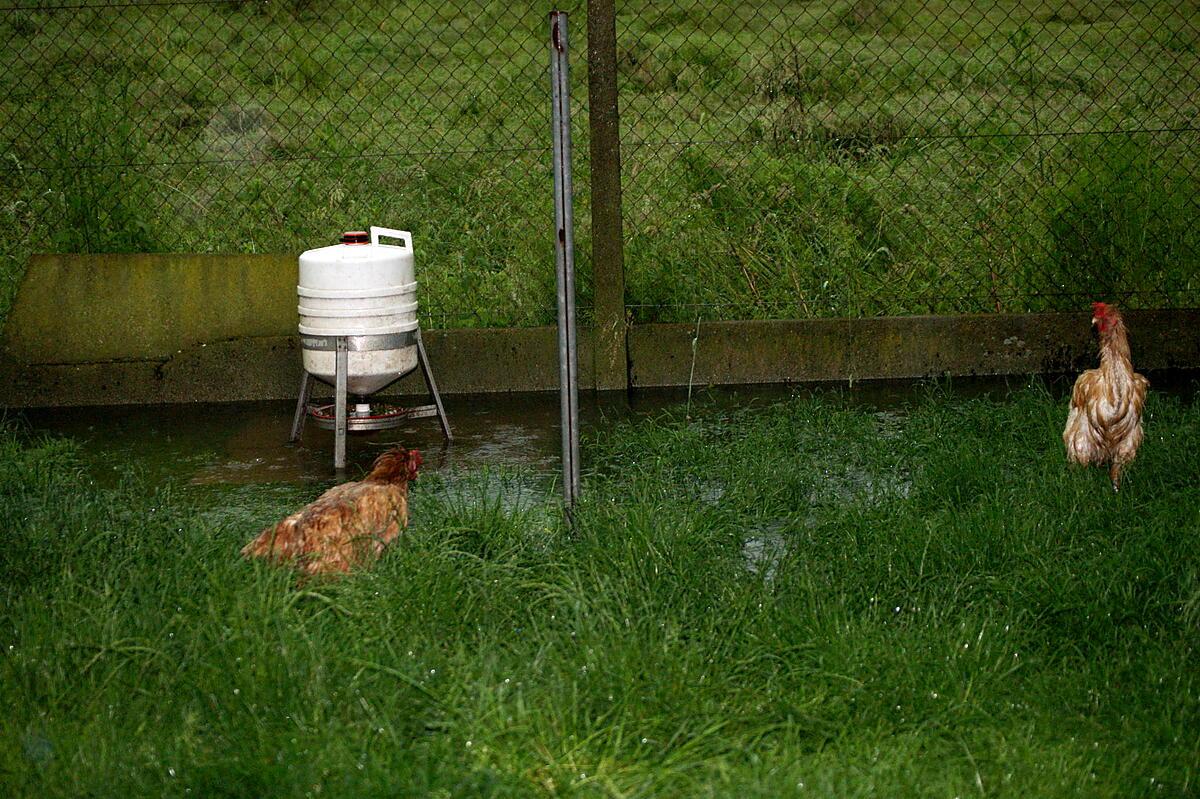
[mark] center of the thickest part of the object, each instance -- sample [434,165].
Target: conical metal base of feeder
[341,418]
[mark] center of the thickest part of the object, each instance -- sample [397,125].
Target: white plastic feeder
[359,333]
[360,287]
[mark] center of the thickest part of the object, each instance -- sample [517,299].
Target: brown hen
[1105,421]
[346,526]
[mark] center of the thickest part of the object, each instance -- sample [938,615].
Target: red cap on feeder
[356,237]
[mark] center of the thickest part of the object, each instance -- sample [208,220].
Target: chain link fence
[878,157]
[244,126]
[780,159]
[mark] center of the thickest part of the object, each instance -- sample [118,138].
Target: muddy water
[236,466]
[246,443]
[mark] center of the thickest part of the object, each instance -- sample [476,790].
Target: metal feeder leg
[433,389]
[301,407]
[339,405]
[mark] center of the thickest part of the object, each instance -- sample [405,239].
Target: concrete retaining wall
[900,347]
[114,329]
[95,308]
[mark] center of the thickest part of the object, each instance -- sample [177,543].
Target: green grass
[805,599]
[784,159]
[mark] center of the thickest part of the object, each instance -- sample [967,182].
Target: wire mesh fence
[870,157]
[780,159]
[242,126]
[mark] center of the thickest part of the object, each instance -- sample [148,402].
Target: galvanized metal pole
[341,379]
[564,253]
[423,360]
[301,407]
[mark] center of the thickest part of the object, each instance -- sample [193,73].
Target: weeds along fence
[777,159]
[243,126]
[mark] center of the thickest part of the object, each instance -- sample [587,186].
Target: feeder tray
[375,417]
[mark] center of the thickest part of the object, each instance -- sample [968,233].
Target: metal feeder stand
[363,418]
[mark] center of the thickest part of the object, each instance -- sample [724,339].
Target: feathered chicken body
[1105,421]
[346,526]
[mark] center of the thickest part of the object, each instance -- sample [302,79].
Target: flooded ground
[246,443]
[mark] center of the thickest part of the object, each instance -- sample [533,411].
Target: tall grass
[1120,224]
[804,599]
[781,160]
[96,207]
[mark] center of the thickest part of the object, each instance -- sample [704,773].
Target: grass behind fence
[790,159]
[808,599]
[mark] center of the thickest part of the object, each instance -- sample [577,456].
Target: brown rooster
[348,524]
[1105,422]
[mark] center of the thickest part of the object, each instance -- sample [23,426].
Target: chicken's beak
[1094,320]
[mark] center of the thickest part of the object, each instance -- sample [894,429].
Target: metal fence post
[608,257]
[564,253]
[341,375]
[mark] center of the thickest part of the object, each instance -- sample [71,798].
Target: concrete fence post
[611,353]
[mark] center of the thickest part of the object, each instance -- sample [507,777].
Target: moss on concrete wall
[86,309]
[110,329]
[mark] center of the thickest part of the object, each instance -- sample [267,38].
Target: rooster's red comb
[1099,310]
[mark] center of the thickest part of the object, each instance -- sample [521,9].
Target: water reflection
[246,443]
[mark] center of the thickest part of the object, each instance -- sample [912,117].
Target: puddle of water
[764,549]
[509,489]
[846,485]
[246,443]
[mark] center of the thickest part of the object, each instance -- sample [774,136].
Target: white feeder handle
[403,235]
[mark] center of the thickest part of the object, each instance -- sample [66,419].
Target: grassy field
[781,160]
[805,599]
